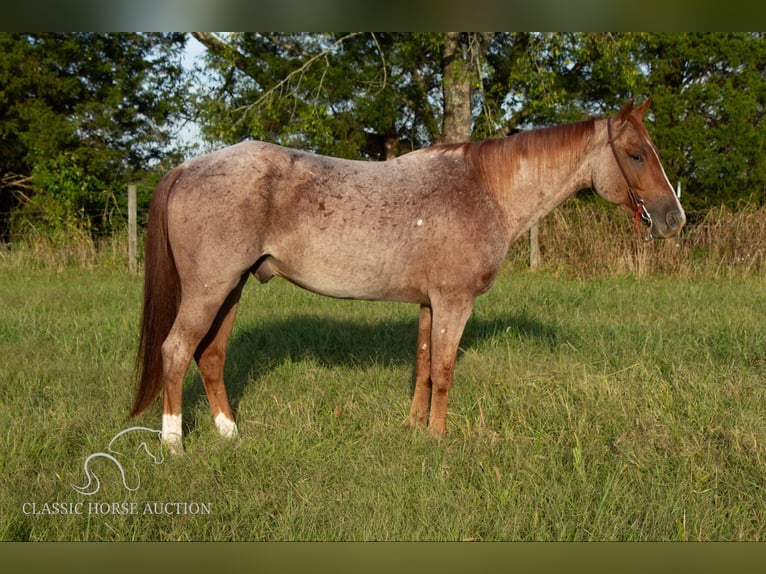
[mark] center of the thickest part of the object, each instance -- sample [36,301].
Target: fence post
[132,232]
[534,247]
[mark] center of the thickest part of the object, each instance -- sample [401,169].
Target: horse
[431,227]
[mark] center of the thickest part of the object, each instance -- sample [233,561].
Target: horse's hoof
[227,428]
[174,446]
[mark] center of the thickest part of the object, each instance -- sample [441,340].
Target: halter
[641,211]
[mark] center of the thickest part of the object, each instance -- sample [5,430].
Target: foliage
[550,78]
[81,115]
[709,98]
[348,95]
[365,85]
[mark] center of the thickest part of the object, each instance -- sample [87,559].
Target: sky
[194,51]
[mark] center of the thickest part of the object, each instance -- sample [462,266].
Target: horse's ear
[620,118]
[627,108]
[623,114]
[641,110]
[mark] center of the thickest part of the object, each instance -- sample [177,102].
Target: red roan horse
[431,227]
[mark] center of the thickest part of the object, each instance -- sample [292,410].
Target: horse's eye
[636,157]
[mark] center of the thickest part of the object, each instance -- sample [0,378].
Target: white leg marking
[226,427]
[172,434]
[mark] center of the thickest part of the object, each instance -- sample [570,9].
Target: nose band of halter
[641,212]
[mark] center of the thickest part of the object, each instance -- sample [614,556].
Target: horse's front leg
[447,325]
[422,394]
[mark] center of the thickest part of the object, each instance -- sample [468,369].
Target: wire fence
[18,226]
[88,237]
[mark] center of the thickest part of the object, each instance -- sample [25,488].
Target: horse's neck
[530,174]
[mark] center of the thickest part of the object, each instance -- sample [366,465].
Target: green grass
[612,408]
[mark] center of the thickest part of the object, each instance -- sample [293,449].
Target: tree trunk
[456,89]
[460,56]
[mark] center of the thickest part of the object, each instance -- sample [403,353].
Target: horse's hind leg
[210,357]
[196,314]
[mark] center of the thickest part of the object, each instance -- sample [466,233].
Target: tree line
[84,114]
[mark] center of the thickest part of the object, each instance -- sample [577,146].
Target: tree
[709,93]
[536,79]
[370,95]
[462,57]
[375,95]
[326,92]
[81,115]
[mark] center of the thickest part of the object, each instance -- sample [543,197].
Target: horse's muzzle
[673,223]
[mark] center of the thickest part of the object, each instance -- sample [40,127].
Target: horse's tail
[162,294]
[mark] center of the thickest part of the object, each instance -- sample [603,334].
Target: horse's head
[629,173]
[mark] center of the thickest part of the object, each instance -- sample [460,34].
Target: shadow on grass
[253,352]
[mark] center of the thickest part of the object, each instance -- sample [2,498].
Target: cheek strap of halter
[641,211]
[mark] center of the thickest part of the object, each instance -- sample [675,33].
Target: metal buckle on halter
[645,216]
[644,213]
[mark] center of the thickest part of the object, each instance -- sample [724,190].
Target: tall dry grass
[66,249]
[582,238]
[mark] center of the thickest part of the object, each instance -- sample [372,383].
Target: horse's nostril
[675,219]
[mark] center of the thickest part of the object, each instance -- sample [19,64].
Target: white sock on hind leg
[172,434]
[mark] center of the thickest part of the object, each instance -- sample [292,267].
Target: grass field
[607,408]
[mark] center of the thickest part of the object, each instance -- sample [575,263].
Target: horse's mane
[501,158]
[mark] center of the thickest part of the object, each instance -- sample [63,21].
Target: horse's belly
[347,279]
